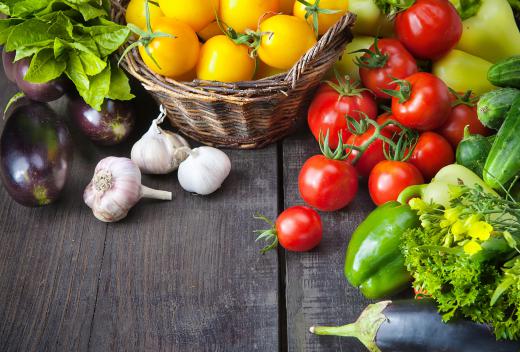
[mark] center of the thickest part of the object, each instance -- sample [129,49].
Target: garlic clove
[204,171]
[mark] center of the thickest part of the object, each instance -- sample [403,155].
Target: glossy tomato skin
[399,64]
[391,129]
[329,109]
[431,154]
[175,56]
[428,106]
[389,178]
[460,117]
[429,29]
[299,229]
[195,13]
[372,155]
[223,60]
[246,14]
[136,13]
[326,184]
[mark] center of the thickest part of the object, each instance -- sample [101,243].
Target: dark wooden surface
[184,275]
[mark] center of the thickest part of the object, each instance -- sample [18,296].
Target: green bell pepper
[374,262]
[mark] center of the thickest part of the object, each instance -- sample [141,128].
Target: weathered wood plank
[316,291]
[187,275]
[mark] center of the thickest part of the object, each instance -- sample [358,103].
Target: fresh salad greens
[466,256]
[71,37]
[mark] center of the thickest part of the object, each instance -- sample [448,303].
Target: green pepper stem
[410,192]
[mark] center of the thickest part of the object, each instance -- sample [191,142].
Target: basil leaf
[108,36]
[24,52]
[99,87]
[31,32]
[119,85]
[92,64]
[44,67]
[76,74]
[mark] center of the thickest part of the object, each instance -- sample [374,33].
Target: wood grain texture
[316,290]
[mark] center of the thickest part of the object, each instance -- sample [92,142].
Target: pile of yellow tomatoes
[228,40]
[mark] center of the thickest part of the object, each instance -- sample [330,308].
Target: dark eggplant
[35,153]
[9,65]
[42,92]
[415,325]
[110,126]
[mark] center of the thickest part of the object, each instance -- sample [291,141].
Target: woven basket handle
[318,49]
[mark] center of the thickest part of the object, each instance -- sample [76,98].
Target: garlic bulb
[159,151]
[204,171]
[116,188]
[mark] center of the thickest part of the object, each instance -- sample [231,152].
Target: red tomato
[372,155]
[429,29]
[299,229]
[392,129]
[431,154]
[389,60]
[330,107]
[389,178]
[426,103]
[327,184]
[462,115]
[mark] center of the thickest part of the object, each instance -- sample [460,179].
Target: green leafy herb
[467,8]
[71,37]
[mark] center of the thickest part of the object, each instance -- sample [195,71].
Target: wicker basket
[244,115]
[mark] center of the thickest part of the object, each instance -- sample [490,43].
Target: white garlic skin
[112,204]
[204,171]
[159,151]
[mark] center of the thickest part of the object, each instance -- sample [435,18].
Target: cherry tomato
[426,102]
[330,107]
[372,155]
[431,154]
[327,184]
[391,129]
[389,60]
[195,13]
[286,6]
[389,178]
[285,40]
[325,21]
[429,29]
[246,14]
[223,60]
[299,229]
[136,12]
[210,31]
[173,56]
[462,115]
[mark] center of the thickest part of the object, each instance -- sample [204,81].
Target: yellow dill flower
[472,247]
[445,223]
[481,230]
[452,214]
[458,228]
[418,204]
[470,220]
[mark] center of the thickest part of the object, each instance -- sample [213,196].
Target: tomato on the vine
[223,60]
[136,12]
[171,57]
[337,9]
[432,152]
[331,105]
[463,113]
[246,14]
[429,29]
[422,102]
[284,40]
[389,178]
[197,14]
[392,129]
[384,62]
[297,229]
[327,184]
[372,155]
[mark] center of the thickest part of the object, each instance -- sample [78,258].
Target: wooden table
[184,275]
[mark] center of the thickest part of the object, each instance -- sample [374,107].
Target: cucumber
[493,106]
[473,151]
[505,73]
[503,161]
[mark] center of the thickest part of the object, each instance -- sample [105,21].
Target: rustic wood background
[184,275]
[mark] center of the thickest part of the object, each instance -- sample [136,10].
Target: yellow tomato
[196,13]
[325,21]
[245,14]
[175,56]
[223,60]
[209,31]
[286,40]
[136,13]
[264,71]
[286,6]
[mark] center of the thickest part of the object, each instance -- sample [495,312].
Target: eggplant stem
[155,194]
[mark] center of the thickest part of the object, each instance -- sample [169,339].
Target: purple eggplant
[42,92]
[35,153]
[9,65]
[110,126]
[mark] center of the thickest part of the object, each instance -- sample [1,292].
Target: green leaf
[119,85]
[25,8]
[31,32]
[44,67]
[503,287]
[108,36]
[76,74]
[24,52]
[99,88]
[467,8]
[13,100]
[92,64]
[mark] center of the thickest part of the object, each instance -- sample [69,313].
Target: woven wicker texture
[244,115]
